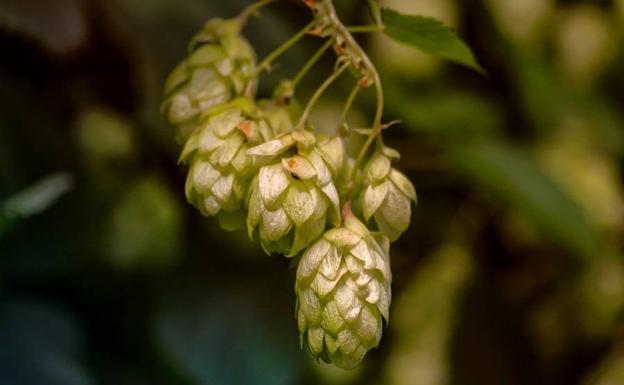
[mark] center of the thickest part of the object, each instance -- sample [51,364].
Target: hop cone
[387,197]
[220,67]
[343,291]
[293,197]
[220,169]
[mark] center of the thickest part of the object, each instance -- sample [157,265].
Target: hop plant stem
[328,12]
[268,60]
[345,111]
[365,28]
[317,95]
[253,9]
[310,63]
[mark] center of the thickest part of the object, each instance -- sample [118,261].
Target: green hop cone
[294,195]
[387,195]
[220,66]
[343,292]
[220,169]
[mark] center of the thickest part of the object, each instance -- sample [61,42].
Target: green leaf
[34,199]
[428,35]
[145,227]
[38,197]
[515,179]
[104,135]
[448,115]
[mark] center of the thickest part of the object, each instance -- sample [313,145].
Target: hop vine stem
[328,12]
[268,60]
[253,9]
[345,111]
[365,28]
[317,95]
[310,63]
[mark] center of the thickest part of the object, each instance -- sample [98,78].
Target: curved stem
[363,151]
[266,63]
[376,129]
[340,29]
[365,28]
[347,107]
[253,8]
[329,13]
[310,63]
[317,95]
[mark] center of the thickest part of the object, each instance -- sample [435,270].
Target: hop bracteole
[259,164]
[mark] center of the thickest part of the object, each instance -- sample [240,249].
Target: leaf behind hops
[429,35]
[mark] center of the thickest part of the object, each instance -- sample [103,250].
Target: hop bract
[387,196]
[343,291]
[293,197]
[219,67]
[220,169]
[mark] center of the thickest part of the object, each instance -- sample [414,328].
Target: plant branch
[317,95]
[268,60]
[310,63]
[253,9]
[347,108]
[327,16]
[365,28]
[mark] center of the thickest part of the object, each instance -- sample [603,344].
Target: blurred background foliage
[511,273]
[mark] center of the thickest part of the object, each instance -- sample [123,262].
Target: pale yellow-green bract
[387,196]
[220,168]
[219,68]
[294,196]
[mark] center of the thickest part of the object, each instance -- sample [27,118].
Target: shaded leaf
[34,199]
[516,179]
[40,345]
[104,135]
[145,227]
[229,334]
[425,318]
[59,26]
[428,35]
[38,197]
[448,115]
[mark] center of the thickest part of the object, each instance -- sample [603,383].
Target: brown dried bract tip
[365,82]
[310,3]
[246,128]
[346,211]
[316,31]
[292,163]
[340,48]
